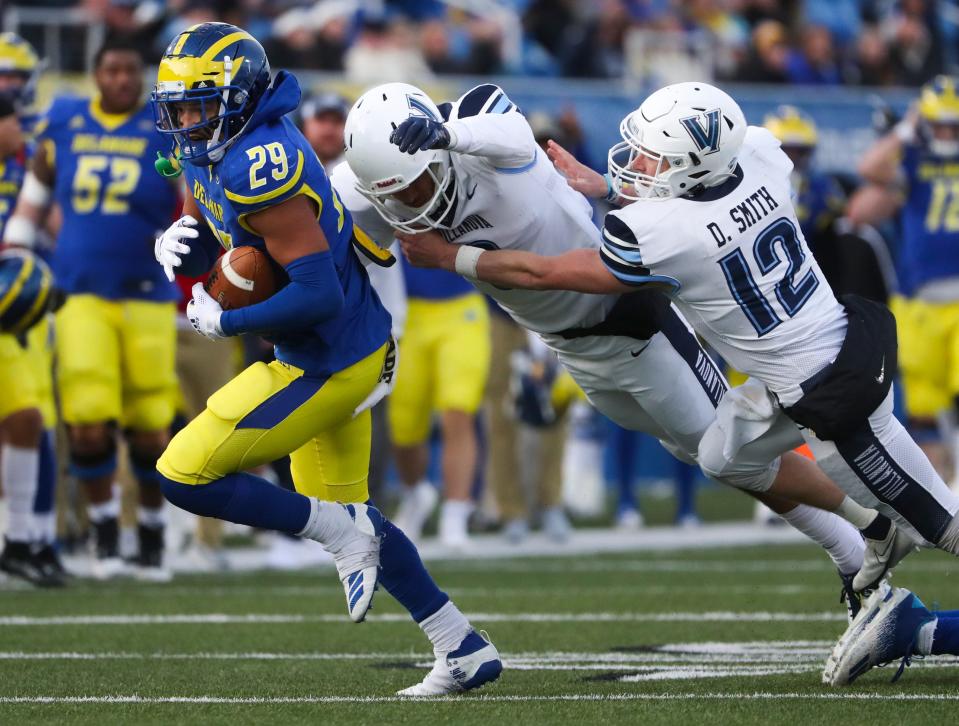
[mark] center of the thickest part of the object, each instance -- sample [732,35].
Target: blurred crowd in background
[823,42]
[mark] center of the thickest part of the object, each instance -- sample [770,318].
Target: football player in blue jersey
[27,413]
[253,180]
[854,258]
[913,171]
[116,334]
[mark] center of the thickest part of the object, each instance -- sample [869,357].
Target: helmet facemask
[221,112]
[436,213]
[946,148]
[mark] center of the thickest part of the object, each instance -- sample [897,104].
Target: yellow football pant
[928,354]
[26,374]
[271,410]
[115,361]
[444,359]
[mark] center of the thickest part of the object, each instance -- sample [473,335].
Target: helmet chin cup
[946,148]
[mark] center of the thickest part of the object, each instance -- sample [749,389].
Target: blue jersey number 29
[791,294]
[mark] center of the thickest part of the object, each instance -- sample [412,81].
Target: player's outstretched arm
[580,177]
[578,270]
[880,163]
[33,202]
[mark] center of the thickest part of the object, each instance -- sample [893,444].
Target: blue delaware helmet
[27,292]
[222,71]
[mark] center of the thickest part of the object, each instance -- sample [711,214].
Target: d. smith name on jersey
[750,211]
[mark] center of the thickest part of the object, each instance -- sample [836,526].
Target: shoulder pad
[485,98]
[262,170]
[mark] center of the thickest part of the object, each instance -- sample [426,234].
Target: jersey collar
[109,121]
[719,191]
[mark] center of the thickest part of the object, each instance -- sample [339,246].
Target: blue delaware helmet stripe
[26,290]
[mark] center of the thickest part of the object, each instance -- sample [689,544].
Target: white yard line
[466,700]
[260,618]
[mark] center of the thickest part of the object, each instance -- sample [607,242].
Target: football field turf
[726,635]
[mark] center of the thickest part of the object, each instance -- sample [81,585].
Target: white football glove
[168,247]
[204,313]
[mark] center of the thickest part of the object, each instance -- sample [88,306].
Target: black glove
[418,133]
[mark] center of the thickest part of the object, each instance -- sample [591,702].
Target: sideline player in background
[705,187]
[254,181]
[116,333]
[27,412]
[913,171]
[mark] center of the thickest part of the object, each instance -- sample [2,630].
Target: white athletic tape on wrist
[467,258]
[34,191]
[20,231]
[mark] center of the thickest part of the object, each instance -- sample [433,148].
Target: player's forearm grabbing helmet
[19,71]
[27,292]
[382,170]
[692,132]
[220,71]
[939,116]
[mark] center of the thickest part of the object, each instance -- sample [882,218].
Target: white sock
[857,515]
[19,473]
[45,527]
[924,637]
[839,538]
[153,517]
[446,629]
[457,510]
[110,509]
[329,524]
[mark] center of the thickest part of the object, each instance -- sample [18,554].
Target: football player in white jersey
[708,218]
[473,172]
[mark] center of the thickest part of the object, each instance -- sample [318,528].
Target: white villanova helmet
[380,167]
[692,130]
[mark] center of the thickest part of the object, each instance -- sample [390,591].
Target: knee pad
[143,461]
[94,462]
[740,475]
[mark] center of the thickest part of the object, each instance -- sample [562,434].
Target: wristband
[20,231]
[467,258]
[905,131]
[35,191]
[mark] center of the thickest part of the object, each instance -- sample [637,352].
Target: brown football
[242,276]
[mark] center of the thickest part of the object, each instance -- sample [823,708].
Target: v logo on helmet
[705,137]
[424,110]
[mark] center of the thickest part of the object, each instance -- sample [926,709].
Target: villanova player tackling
[472,171]
[254,180]
[711,222]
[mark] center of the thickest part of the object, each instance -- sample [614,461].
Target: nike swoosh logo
[469,195]
[635,353]
[882,371]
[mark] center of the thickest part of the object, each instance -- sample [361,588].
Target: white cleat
[358,561]
[472,665]
[152,573]
[885,630]
[416,506]
[107,568]
[881,556]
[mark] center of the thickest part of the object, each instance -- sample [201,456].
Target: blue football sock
[47,479]
[945,638]
[685,489]
[623,444]
[244,499]
[405,578]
